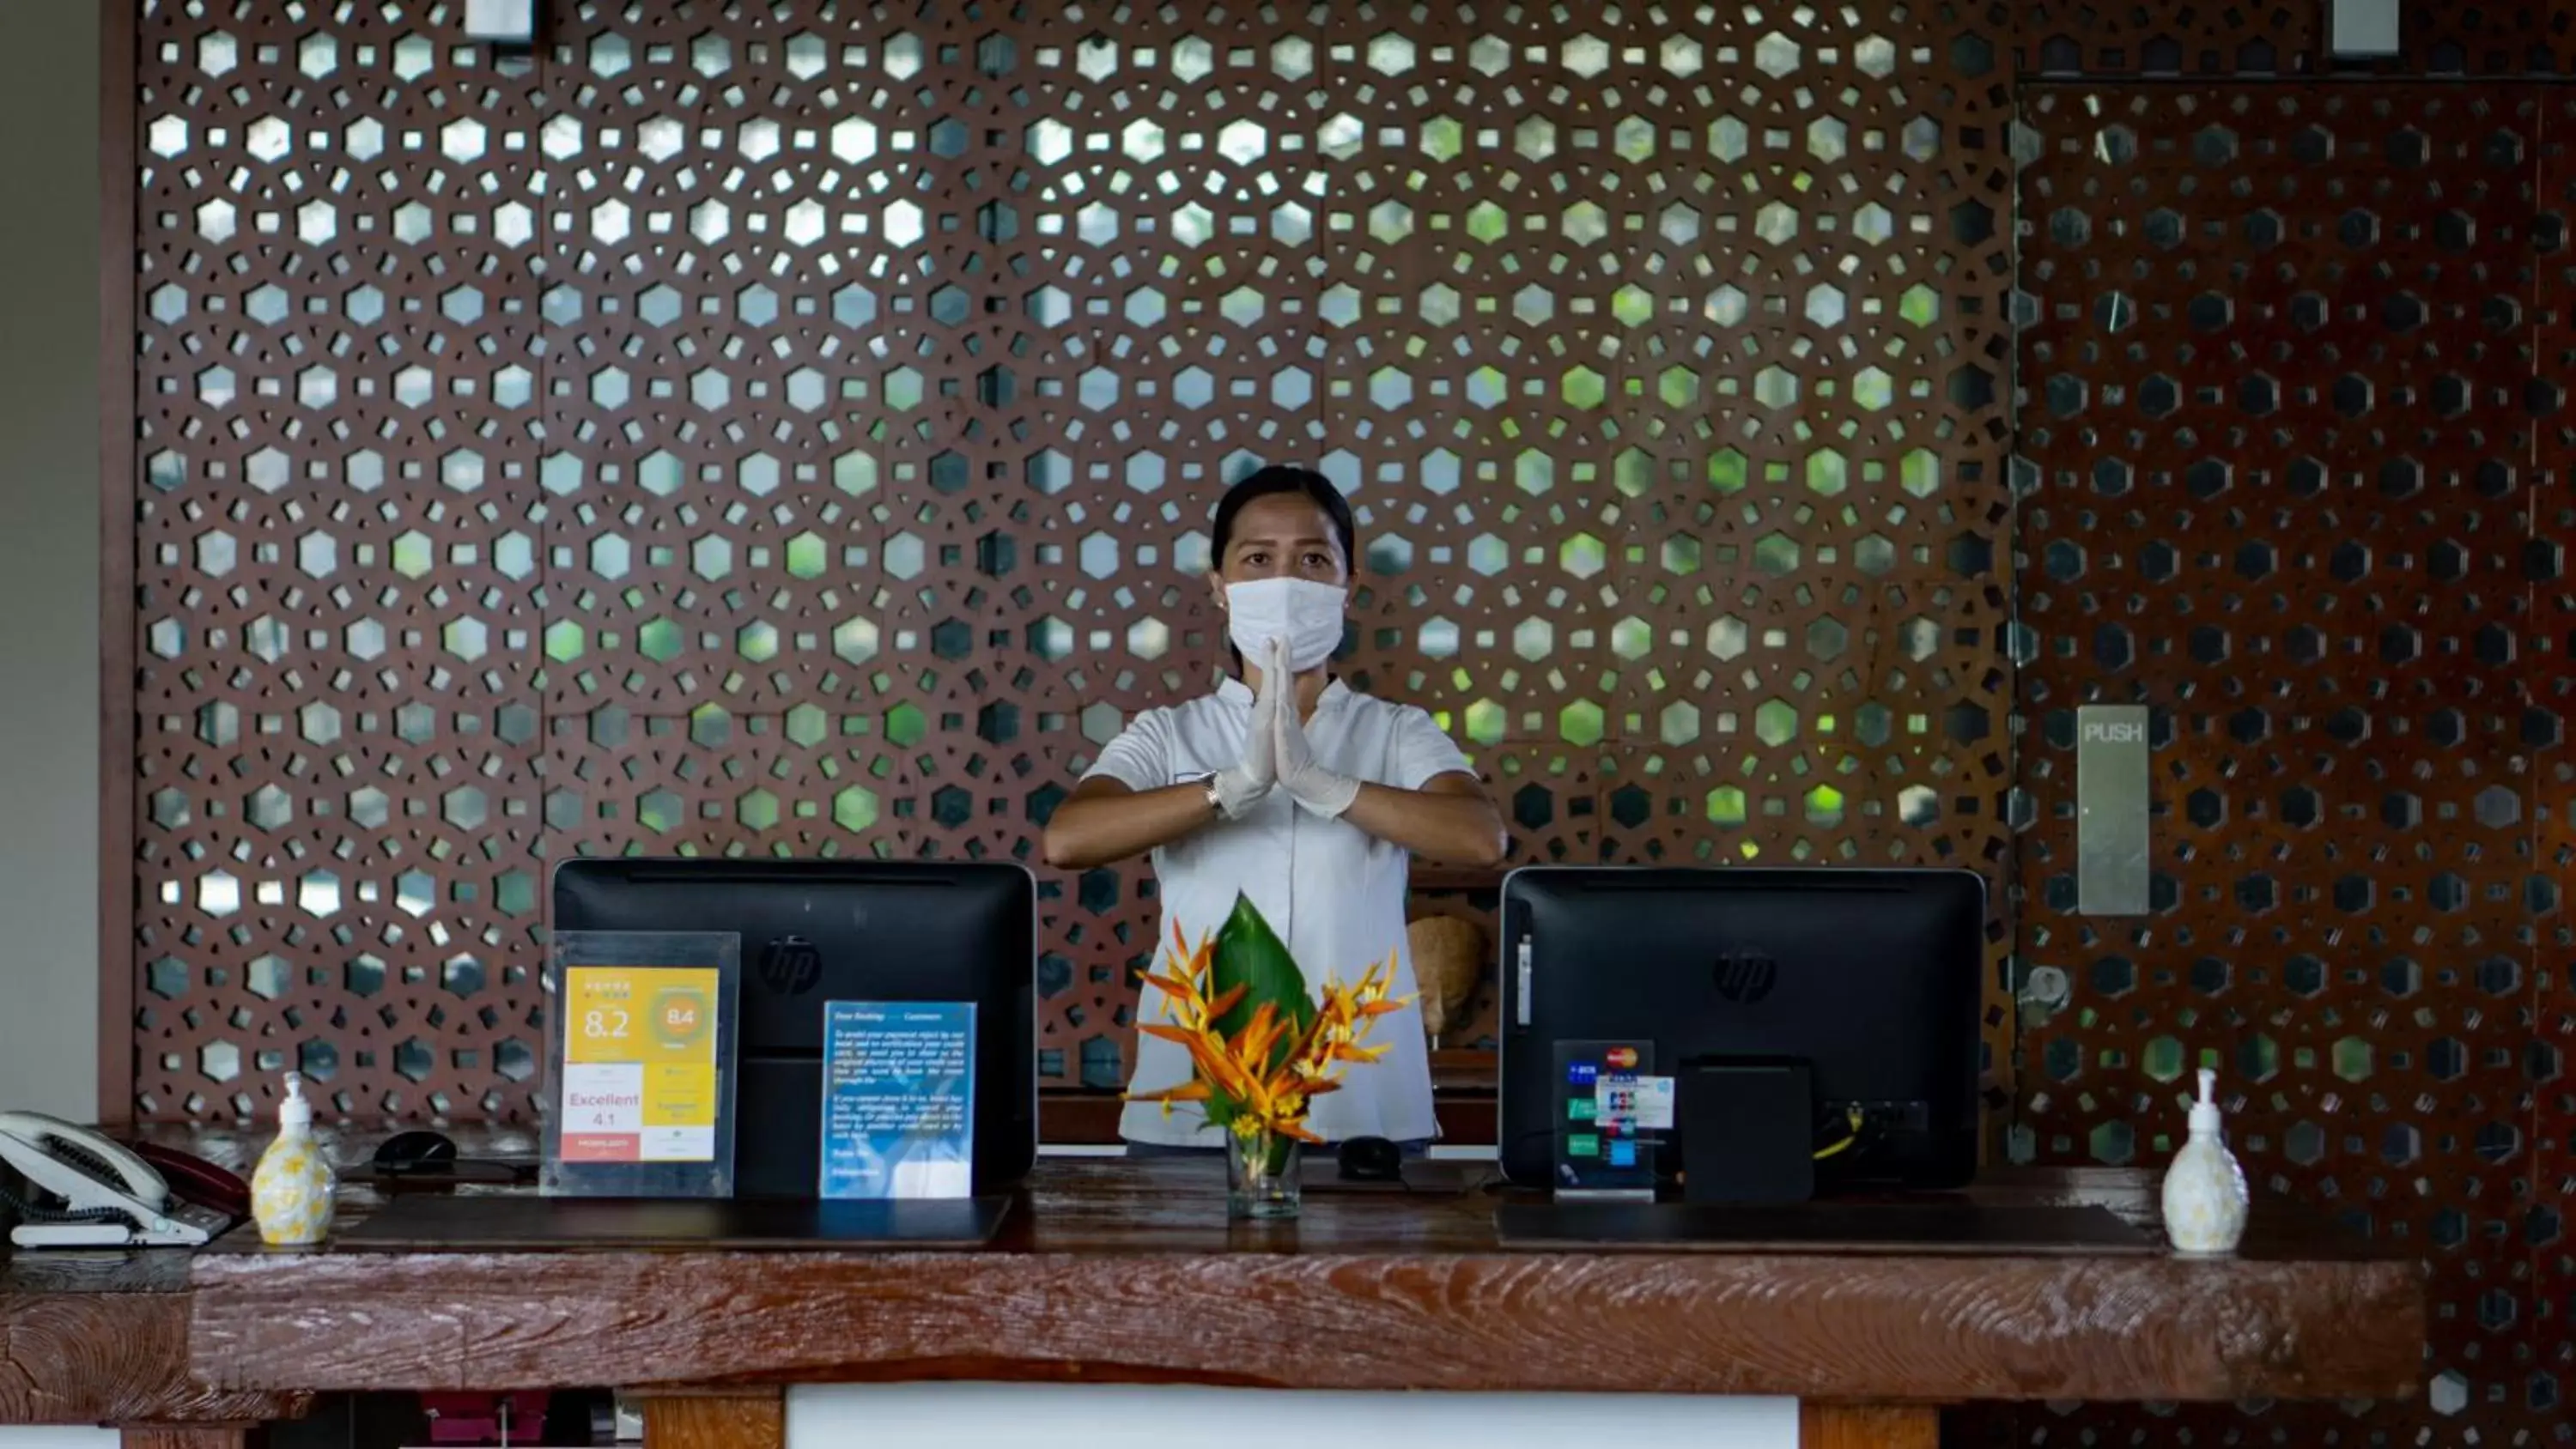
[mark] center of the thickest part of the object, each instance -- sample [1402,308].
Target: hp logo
[791,965]
[1745,977]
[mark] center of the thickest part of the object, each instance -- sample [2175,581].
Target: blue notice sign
[898,1099]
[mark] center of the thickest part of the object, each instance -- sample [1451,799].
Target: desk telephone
[83,1191]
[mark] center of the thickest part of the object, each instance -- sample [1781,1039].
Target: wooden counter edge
[1939,1329]
[117,1358]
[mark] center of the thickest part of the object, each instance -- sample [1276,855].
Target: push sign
[2112,797]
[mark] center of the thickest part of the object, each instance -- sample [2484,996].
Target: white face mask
[1305,613]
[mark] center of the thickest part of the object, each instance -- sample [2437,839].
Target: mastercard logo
[1622,1058]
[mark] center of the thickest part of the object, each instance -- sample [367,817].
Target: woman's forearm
[1462,828]
[1103,822]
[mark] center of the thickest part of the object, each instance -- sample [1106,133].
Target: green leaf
[1248,953]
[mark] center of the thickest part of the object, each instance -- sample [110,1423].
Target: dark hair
[1280,478]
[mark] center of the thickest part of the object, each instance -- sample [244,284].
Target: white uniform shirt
[1333,892]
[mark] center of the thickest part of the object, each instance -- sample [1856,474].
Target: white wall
[1123,1416]
[56,1436]
[49,554]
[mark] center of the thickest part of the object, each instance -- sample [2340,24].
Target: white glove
[1313,786]
[1244,785]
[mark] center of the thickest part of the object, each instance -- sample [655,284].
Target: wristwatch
[1216,801]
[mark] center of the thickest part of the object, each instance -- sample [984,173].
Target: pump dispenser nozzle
[2204,1113]
[297,1109]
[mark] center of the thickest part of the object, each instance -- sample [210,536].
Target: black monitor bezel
[1008,1168]
[1528,1148]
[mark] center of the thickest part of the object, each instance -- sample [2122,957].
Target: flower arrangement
[1261,1047]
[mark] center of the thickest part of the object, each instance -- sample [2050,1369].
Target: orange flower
[1262,1088]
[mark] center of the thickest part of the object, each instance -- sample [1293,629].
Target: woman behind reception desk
[1291,788]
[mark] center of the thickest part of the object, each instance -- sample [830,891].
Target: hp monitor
[1870,977]
[815,931]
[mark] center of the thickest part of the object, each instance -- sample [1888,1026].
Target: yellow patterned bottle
[292,1189]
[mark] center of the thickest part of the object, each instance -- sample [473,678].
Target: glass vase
[1262,1176]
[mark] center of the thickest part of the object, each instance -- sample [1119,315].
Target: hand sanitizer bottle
[2204,1188]
[291,1190]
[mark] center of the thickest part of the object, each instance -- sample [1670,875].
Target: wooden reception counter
[1127,1272]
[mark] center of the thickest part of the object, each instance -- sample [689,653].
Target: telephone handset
[85,1191]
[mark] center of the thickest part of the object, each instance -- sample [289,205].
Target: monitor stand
[1747,1130]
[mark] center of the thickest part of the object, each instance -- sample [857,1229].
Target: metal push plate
[2112,796]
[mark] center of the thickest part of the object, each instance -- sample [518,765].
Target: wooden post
[188,1436]
[1866,1426]
[717,1419]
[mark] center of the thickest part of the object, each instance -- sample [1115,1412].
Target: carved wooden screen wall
[792,429]
[2297,452]
[2295,424]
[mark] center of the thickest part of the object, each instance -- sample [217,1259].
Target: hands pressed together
[1275,753]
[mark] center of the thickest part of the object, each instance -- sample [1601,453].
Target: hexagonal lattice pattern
[339,542]
[2294,460]
[2168,38]
[604,455]
[2163,39]
[790,429]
